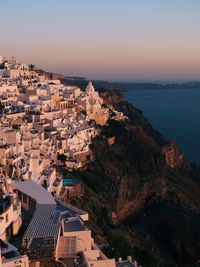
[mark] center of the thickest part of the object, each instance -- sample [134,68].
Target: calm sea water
[175,113]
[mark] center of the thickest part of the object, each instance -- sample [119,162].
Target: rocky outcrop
[172,154]
[111,140]
[137,203]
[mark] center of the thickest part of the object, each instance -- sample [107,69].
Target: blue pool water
[69,181]
[175,113]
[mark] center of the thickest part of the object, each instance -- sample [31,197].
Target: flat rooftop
[73,226]
[35,191]
[41,244]
[44,223]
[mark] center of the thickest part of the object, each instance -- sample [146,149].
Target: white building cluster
[10,223]
[44,123]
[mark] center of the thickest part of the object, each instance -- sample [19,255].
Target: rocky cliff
[137,204]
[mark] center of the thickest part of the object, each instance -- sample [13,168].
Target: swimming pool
[70,181]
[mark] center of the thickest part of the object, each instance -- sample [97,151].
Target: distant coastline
[129,86]
[125,86]
[122,85]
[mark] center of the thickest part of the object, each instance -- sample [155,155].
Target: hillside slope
[137,204]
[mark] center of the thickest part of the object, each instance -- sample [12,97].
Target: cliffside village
[44,124]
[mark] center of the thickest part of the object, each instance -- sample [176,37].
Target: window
[19,195]
[7,217]
[25,198]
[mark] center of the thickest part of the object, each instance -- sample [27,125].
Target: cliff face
[137,203]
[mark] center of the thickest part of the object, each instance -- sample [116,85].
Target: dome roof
[90,87]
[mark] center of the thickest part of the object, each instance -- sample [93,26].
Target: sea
[173,112]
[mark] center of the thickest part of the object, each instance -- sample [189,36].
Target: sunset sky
[133,40]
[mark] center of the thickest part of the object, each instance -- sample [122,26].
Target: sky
[127,40]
